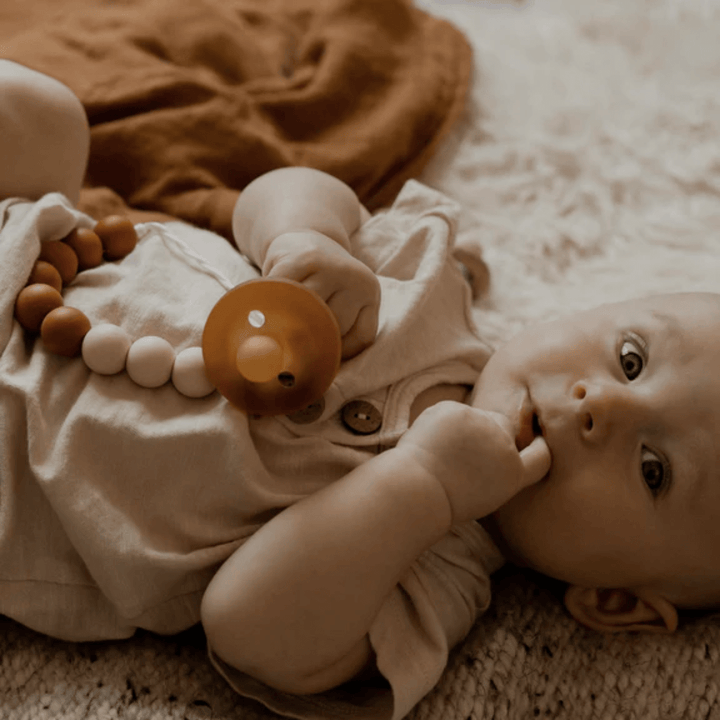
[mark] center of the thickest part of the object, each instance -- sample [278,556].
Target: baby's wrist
[424,484]
[296,243]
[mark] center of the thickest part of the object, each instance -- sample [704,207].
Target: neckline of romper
[393,403]
[401,395]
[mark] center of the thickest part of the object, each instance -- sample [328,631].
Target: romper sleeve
[404,241]
[429,611]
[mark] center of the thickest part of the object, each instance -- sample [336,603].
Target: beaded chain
[107,349]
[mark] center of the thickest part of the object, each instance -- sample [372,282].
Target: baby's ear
[621,610]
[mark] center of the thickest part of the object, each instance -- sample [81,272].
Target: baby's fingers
[536,460]
[362,334]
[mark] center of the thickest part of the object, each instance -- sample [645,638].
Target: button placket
[308,414]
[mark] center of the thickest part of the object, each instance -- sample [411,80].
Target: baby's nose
[600,408]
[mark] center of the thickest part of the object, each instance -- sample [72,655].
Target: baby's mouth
[530,428]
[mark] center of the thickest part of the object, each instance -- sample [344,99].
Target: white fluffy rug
[589,162]
[588,167]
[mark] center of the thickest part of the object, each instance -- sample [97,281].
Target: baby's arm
[44,135]
[296,223]
[293,606]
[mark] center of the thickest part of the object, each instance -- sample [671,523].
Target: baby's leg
[44,135]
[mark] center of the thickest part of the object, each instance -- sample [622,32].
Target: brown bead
[63,331]
[34,302]
[46,274]
[62,257]
[118,236]
[87,246]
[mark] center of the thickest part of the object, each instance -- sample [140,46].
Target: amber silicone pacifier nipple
[260,359]
[271,346]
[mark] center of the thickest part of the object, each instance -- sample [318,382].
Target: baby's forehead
[692,317]
[678,306]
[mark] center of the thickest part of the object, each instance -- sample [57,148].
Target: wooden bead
[105,349]
[44,273]
[34,302]
[188,374]
[118,236]
[150,361]
[87,246]
[63,330]
[62,257]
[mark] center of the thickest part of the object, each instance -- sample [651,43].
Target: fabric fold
[189,102]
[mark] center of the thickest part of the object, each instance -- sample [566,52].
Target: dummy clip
[269,346]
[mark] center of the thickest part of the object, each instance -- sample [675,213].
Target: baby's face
[628,398]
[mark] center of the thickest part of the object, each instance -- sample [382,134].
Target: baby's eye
[654,470]
[632,357]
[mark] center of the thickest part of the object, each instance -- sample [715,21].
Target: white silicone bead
[189,376]
[150,361]
[105,348]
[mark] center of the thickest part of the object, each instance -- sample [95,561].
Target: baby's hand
[472,454]
[349,287]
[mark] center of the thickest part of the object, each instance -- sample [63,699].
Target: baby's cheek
[541,535]
[546,508]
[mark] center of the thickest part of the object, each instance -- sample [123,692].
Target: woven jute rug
[525,659]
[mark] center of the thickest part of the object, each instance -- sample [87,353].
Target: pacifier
[271,346]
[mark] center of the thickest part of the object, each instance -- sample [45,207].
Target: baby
[341,553]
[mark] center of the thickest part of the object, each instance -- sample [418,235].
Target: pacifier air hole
[286,379]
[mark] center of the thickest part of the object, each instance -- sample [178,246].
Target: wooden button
[309,414]
[361,417]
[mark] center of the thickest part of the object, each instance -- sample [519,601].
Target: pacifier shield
[271,346]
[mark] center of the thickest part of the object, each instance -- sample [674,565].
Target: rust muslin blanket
[189,100]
